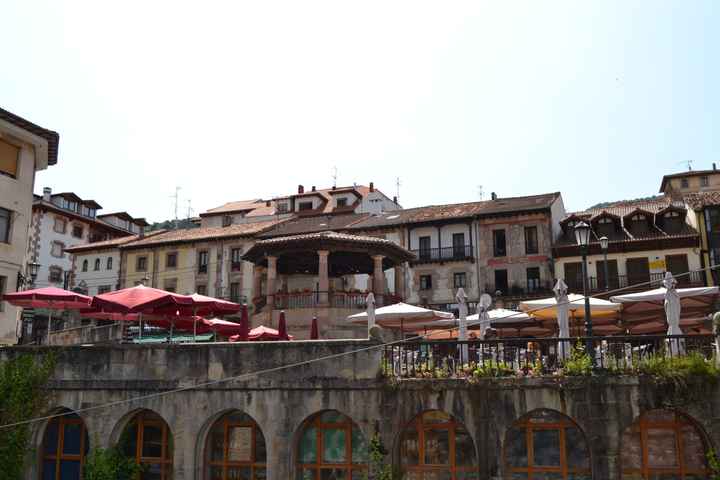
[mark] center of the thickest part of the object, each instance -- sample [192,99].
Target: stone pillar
[323,278]
[257,282]
[270,285]
[400,282]
[378,280]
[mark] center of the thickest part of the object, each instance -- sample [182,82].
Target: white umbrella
[563,308]
[658,294]
[461,298]
[546,308]
[370,312]
[401,315]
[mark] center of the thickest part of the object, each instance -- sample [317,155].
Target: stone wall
[279,401]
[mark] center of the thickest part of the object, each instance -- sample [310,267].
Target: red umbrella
[213,306]
[51,298]
[140,299]
[112,316]
[314,329]
[282,327]
[262,333]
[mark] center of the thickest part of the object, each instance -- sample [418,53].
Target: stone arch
[435,441]
[145,435]
[664,440]
[61,445]
[329,440]
[546,441]
[227,420]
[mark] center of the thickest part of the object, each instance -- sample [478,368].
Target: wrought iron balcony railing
[444,254]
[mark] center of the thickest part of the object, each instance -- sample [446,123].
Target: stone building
[25,148]
[197,412]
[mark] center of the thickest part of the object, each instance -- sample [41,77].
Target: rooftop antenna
[480,191]
[334,176]
[397,188]
[688,163]
[189,209]
[176,197]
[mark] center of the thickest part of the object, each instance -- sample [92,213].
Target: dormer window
[672,222]
[605,227]
[342,202]
[704,181]
[227,220]
[684,183]
[638,224]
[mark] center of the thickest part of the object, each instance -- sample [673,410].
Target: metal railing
[530,288]
[287,301]
[443,254]
[653,280]
[545,356]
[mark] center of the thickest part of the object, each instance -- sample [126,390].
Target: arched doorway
[64,447]
[546,444]
[435,445]
[331,446]
[235,449]
[664,444]
[148,439]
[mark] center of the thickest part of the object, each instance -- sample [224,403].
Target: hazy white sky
[234,100]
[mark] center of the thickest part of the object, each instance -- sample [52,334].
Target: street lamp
[604,247]
[32,271]
[582,237]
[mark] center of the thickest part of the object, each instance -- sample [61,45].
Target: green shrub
[493,369]
[579,363]
[109,464]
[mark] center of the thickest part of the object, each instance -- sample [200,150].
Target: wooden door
[678,266]
[638,272]
[613,282]
[573,277]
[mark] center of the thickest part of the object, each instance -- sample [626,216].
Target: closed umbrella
[314,334]
[370,310]
[244,324]
[262,333]
[672,314]
[51,298]
[282,327]
[461,298]
[482,314]
[563,308]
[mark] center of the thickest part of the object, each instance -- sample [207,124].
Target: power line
[308,362]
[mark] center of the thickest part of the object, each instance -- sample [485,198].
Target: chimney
[313,188]
[301,189]
[714,166]
[395,199]
[372,187]
[47,191]
[267,203]
[493,195]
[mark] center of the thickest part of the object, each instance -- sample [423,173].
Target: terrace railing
[444,254]
[523,356]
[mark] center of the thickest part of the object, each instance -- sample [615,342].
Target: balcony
[530,289]
[635,282]
[351,300]
[457,253]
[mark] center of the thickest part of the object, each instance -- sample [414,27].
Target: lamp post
[582,237]
[32,271]
[604,247]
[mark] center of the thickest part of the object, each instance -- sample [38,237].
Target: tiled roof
[256,207]
[318,223]
[435,213]
[200,234]
[689,173]
[697,201]
[115,242]
[53,138]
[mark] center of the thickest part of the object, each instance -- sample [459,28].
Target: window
[684,183]
[56,274]
[235,292]
[605,227]
[85,266]
[56,249]
[499,243]
[108,263]
[704,181]
[458,243]
[60,225]
[501,281]
[305,206]
[672,222]
[5,221]
[236,259]
[201,289]
[3,288]
[77,231]
[533,279]
[203,261]
[531,240]
[282,207]
[9,157]
[64,447]
[425,282]
[435,443]
[171,260]
[235,448]
[546,444]
[104,289]
[459,280]
[227,220]
[663,444]
[342,202]
[147,440]
[141,264]
[170,285]
[425,249]
[331,446]
[97,264]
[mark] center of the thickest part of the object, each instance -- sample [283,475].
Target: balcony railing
[532,356]
[530,288]
[444,254]
[287,301]
[640,282]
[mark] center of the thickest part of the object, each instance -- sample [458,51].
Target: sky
[232,100]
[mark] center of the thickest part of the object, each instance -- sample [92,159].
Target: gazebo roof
[348,253]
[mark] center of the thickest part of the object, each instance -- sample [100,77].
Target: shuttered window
[9,155]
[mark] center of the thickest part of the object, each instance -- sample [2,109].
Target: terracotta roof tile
[697,201]
[318,223]
[200,234]
[115,242]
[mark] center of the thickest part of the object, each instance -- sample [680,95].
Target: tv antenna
[189,209]
[176,197]
[334,176]
[688,163]
[480,191]
[397,188]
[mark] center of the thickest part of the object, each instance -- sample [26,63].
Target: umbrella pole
[141,325]
[172,325]
[49,323]
[194,324]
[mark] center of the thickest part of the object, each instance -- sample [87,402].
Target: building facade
[25,148]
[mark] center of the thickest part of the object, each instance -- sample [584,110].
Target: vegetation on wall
[23,396]
[109,464]
[182,224]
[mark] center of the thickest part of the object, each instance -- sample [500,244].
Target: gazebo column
[257,281]
[270,284]
[400,282]
[323,278]
[378,279]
